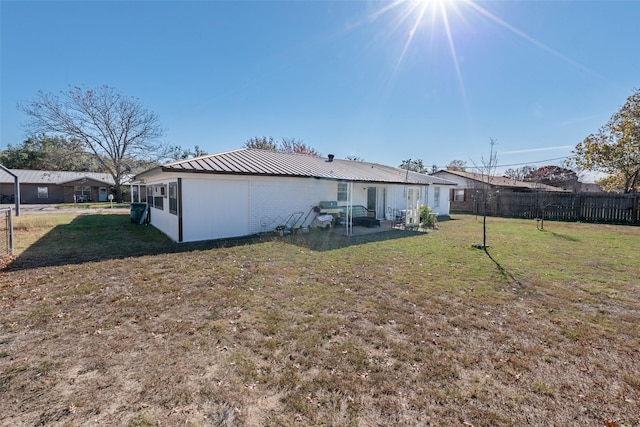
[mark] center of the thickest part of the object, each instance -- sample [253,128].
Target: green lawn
[107,322]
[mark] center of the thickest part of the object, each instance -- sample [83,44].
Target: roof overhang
[86,181]
[140,178]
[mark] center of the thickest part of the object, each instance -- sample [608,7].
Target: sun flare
[423,23]
[431,15]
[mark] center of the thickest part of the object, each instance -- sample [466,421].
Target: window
[82,193]
[158,202]
[459,195]
[173,198]
[436,197]
[150,195]
[43,192]
[342,191]
[159,194]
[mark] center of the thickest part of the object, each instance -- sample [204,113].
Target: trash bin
[137,210]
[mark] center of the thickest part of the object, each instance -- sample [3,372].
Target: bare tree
[262,143]
[416,165]
[519,174]
[296,146]
[354,158]
[544,200]
[111,126]
[457,165]
[484,190]
[181,153]
[286,145]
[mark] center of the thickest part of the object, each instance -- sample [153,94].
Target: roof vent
[331,156]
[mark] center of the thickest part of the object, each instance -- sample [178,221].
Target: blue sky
[385,81]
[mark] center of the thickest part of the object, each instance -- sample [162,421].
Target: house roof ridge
[255,161]
[501,180]
[32,176]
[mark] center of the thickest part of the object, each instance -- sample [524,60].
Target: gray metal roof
[53,177]
[250,161]
[500,181]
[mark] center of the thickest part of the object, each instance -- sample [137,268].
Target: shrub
[427,217]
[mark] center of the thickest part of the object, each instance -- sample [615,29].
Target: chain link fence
[6,232]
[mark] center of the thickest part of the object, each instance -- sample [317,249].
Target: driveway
[41,209]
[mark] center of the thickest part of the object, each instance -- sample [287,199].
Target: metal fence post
[10,227]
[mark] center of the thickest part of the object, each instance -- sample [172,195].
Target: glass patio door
[413,206]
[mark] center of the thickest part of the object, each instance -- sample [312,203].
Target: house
[462,196]
[249,191]
[51,187]
[589,187]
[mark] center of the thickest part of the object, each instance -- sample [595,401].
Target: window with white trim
[436,197]
[159,194]
[173,198]
[342,192]
[459,196]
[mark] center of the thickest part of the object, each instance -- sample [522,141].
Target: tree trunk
[484,226]
[118,193]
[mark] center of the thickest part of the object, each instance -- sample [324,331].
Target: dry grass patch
[410,329]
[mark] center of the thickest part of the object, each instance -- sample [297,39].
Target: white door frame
[412,217]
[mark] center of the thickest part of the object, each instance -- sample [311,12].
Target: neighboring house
[249,191]
[51,187]
[589,187]
[462,197]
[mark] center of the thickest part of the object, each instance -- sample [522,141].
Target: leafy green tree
[55,153]
[416,165]
[615,149]
[23,156]
[112,127]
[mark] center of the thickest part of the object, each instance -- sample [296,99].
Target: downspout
[16,184]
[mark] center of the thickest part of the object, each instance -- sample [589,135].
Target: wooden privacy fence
[600,208]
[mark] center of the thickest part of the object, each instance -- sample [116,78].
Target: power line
[523,164]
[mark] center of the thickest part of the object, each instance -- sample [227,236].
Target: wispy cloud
[533,150]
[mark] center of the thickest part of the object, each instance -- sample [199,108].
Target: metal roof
[53,177]
[251,161]
[502,181]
